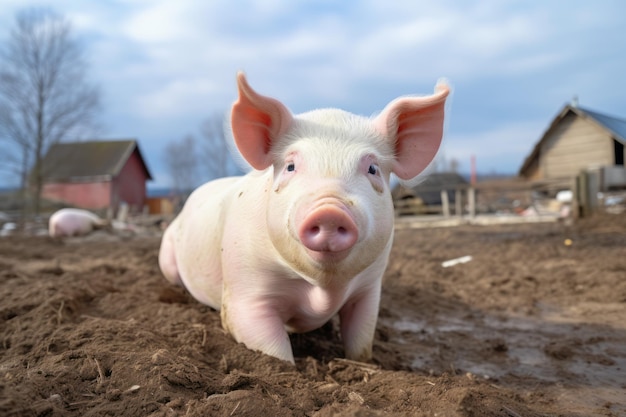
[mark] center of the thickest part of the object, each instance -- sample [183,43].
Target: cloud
[174,99]
[325,52]
[166,65]
[163,22]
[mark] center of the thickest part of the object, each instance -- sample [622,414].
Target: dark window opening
[619,152]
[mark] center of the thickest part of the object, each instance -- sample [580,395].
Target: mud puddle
[554,346]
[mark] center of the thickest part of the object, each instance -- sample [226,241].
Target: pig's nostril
[342,230]
[315,230]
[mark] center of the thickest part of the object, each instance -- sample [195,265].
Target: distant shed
[96,175]
[577,139]
[429,190]
[425,197]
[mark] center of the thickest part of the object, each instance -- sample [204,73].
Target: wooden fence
[582,196]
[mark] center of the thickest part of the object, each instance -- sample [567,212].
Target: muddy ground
[531,326]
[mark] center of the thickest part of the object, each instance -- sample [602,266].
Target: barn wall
[87,195]
[130,185]
[160,205]
[575,144]
[533,171]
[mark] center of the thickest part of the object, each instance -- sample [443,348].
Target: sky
[165,66]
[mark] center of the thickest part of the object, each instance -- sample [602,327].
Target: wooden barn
[96,175]
[577,139]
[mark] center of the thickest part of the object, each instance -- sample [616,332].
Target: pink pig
[307,234]
[73,222]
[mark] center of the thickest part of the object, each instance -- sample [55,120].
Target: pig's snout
[328,230]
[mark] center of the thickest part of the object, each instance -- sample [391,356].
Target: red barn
[96,175]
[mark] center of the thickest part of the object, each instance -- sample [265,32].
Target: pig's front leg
[258,326]
[358,323]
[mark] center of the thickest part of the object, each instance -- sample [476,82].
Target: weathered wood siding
[574,144]
[130,185]
[87,195]
[533,172]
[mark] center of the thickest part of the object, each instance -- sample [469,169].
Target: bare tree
[218,157]
[182,163]
[190,161]
[44,93]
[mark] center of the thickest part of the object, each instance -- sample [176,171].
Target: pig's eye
[291,167]
[373,169]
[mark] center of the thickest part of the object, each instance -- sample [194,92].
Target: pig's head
[329,211]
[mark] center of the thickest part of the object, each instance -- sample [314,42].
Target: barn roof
[92,159]
[614,125]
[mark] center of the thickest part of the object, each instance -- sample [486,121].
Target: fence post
[471,201]
[458,202]
[583,194]
[445,204]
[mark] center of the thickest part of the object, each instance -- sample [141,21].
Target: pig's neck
[324,300]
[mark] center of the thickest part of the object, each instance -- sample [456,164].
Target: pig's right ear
[415,126]
[257,121]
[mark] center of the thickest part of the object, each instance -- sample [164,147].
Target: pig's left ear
[257,121]
[415,126]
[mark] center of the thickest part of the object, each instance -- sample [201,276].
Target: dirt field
[531,326]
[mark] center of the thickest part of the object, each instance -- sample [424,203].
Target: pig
[306,234]
[73,222]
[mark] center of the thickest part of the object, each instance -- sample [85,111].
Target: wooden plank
[445,204]
[574,145]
